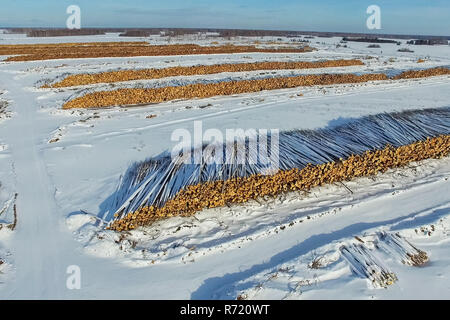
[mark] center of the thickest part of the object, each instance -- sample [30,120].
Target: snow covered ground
[65,164]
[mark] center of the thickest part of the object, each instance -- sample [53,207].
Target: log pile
[240,190]
[129,75]
[36,52]
[136,96]
[413,74]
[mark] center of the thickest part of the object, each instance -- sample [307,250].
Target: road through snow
[37,254]
[42,247]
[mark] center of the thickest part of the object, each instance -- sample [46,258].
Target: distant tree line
[369,40]
[429,42]
[143,32]
[64,32]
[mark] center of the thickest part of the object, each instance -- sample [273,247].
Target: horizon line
[218,28]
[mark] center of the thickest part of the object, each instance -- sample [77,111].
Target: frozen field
[64,165]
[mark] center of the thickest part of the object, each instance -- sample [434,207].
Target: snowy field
[64,165]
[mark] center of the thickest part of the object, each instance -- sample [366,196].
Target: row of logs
[142,74]
[137,96]
[240,190]
[129,49]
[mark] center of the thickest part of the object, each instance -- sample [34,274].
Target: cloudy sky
[397,16]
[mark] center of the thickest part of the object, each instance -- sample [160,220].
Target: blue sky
[397,16]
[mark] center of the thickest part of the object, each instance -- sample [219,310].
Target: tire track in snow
[35,246]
